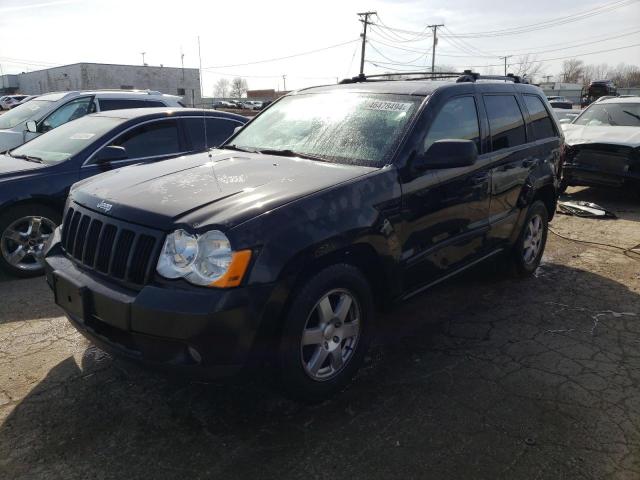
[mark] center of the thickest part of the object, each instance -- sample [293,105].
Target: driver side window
[458,119]
[70,111]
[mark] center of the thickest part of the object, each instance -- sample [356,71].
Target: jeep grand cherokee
[283,242]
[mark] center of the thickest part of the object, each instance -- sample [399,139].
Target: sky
[35,34]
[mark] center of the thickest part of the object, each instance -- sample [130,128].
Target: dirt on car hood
[224,189]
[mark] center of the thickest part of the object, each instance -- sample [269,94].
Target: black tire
[8,218]
[295,379]
[520,265]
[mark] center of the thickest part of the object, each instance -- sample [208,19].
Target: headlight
[205,259]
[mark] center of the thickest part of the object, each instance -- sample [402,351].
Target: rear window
[541,123]
[120,104]
[218,130]
[505,121]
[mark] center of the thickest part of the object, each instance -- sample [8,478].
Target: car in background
[26,99]
[565,116]
[603,145]
[223,104]
[49,111]
[595,90]
[559,102]
[8,101]
[281,244]
[252,105]
[35,177]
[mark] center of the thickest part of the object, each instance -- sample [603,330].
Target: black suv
[282,243]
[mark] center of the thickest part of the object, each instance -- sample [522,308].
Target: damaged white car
[603,145]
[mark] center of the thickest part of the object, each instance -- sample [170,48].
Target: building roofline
[105,64]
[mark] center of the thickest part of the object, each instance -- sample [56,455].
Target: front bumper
[586,175]
[204,332]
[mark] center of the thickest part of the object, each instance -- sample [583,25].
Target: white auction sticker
[82,136]
[388,106]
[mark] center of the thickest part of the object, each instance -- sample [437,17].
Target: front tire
[23,233]
[529,248]
[327,332]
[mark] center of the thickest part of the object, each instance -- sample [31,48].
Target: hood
[580,134]
[10,139]
[13,167]
[197,190]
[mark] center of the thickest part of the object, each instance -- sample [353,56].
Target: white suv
[49,111]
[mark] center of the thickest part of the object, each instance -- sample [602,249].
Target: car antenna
[204,122]
[204,119]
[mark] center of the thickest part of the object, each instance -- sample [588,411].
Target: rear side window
[119,104]
[218,130]
[458,119]
[151,139]
[154,103]
[505,121]
[541,123]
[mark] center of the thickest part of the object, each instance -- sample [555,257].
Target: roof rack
[461,77]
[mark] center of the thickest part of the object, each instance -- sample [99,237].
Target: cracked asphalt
[483,377]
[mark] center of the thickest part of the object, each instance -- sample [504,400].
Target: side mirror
[32,126]
[111,153]
[237,129]
[448,154]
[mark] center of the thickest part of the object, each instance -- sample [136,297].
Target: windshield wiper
[632,114]
[239,149]
[290,153]
[29,158]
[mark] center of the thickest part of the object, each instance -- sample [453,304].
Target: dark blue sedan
[35,178]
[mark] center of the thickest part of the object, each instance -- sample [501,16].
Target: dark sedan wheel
[23,234]
[529,248]
[326,333]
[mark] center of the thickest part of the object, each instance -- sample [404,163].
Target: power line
[534,26]
[546,59]
[392,60]
[309,52]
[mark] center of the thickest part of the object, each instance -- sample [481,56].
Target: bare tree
[572,70]
[595,72]
[528,66]
[625,76]
[239,87]
[221,88]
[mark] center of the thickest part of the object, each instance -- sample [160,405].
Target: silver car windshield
[344,127]
[67,140]
[613,114]
[22,113]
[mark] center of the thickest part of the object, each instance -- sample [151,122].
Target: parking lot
[482,377]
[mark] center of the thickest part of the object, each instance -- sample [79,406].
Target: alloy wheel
[330,335]
[22,242]
[533,239]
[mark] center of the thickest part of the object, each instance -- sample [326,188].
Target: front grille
[120,250]
[606,158]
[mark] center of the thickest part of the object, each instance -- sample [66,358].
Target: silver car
[49,111]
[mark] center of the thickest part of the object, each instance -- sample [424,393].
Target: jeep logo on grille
[104,206]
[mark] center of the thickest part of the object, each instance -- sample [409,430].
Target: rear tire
[23,232]
[327,332]
[529,248]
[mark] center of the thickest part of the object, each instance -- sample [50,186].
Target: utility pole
[182,62]
[433,49]
[505,63]
[143,54]
[284,83]
[365,22]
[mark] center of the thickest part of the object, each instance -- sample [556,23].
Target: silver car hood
[580,134]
